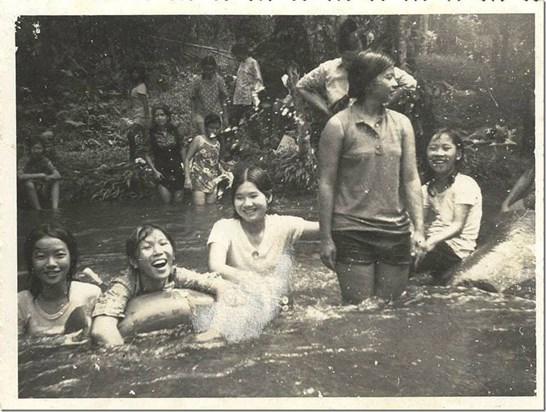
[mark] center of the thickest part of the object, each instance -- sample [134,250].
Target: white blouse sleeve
[220,233]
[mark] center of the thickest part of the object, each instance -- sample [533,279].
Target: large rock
[506,259]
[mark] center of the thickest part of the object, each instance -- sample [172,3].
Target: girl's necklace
[440,187]
[52,308]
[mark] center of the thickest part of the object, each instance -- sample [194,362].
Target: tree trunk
[423,46]
[403,34]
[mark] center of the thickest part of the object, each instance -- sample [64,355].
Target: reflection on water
[435,341]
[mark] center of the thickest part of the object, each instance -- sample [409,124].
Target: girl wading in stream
[369,188]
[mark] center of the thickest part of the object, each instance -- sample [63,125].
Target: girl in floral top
[203,163]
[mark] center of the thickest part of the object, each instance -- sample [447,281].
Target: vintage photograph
[277,206]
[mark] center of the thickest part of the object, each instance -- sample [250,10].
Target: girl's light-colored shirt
[274,253]
[33,320]
[439,210]
[249,82]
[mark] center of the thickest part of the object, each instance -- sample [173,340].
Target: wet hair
[457,140]
[252,174]
[54,231]
[347,38]
[208,61]
[363,70]
[240,49]
[141,71]
[166,110]
[138,235]
[212,118]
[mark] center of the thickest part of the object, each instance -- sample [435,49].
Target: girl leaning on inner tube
[150,252]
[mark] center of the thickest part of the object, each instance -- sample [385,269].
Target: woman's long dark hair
[347,38]
[171,128]
[428,175]
[364,68]
[54,231]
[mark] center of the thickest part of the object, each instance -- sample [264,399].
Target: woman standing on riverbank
[369,187]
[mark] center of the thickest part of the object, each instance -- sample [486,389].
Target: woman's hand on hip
[328,253]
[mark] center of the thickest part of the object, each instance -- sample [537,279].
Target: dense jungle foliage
[476,74]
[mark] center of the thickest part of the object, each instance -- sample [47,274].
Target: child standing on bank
[203,162]
[247,86]
[141,111]
[208,95]
[453,206]
[39,176]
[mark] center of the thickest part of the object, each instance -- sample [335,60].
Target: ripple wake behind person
[54,300]
[255,250]
[150,253]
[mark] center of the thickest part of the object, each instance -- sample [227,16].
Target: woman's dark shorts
[365,248]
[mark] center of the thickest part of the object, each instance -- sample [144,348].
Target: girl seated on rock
[452,203]
[39,176]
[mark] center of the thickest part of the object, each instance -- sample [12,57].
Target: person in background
[203,163]
[39,176]
[522,194]
[326,87]
[247,85]
[140,111]
[208,95]
[165,155]
[54,304]
[452,204]
[369,188]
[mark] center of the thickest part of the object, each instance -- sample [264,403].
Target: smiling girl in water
[150,254]
[51,254]
[254,241]
[255,250]
[452,203]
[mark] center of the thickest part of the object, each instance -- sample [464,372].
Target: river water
[434,341]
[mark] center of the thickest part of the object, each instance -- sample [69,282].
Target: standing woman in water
[369,187]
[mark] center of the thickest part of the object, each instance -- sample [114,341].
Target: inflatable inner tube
[161,310]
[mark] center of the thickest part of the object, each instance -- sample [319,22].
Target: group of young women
[376,221]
